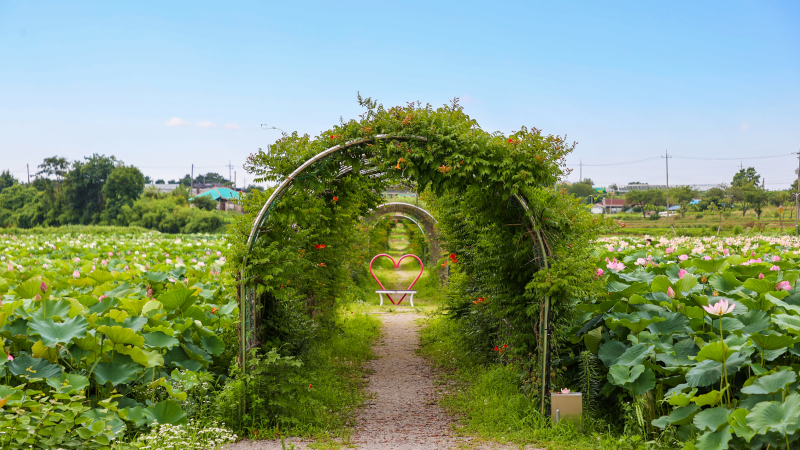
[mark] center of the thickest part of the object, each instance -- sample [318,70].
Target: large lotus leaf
[177,299]
[53,333]
[195,313]
[716,351]
[134,414]
[725,283]
[177,357]
[116,373]
[644,382]
[196,353]
[593,339]
[24,365]
[103,305]
[166,412]
[121,335]
[135,323]
[680,416]
[784,305]
[770,355]
[709,398]
[152,305]
[29,289]
[787,322]
[634,321]
[738,422]
[611,351]
[682,350]
[709,372]
[660,284]
[133,306]
[717,440]
[770,384]
[39,350]
[760,286]
[685,284]
[52,308]
[621,375]
[710,265]
[636,354]
[118,315]
[157,276]
[215,346]
[69,383]
[101,276]
[674,323]
[776,416]
[712,419]
[135,353]
[773,341]
[729,324]
[754,321]
[616,286]
[122,291]
[692,312]
[160,340]
[639,275]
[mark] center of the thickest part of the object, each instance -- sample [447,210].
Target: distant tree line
[101,190]
[745,193]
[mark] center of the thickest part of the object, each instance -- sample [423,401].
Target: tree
[124,185]
[55,166]
[83,186]
[6,180]
[746,177]
[148,180]
[682,196]
[736,194]
[581,190]
[755,197]
[204,202]
[636,198]
[715,195]
[159,181]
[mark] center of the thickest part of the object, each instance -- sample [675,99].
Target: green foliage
[204,202]
[124,185]
[724,381]
[6,180]
[112,318]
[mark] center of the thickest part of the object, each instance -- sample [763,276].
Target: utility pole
[230,168]
[29,173]
[581,172]
[234,180]
[191,183]
[666,159]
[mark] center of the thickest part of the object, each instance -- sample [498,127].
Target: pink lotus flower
[726,252]
[219,253]
[669,250]
[775,268]
[682,273]
[598,274]
[707,258]
[783,286]
[761,276]
[100,299]
[565,391]
[168,261]
[10,268]
[776,258]
[670,292]
[10,358]
[126,268]
[683,257]
[77,260]
[110,253]
[76,274]
[640,262]
[720,308]
[44,266]
[609,248]
[43,287]
[149,292]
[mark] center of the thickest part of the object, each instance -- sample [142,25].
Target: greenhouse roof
[217,193]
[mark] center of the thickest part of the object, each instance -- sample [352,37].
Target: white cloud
[176,122]
[206,124]
[744,126]
[231,126]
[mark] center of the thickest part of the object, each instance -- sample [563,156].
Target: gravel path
[402,414]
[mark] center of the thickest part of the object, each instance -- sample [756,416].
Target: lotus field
[101,334]
[704,335]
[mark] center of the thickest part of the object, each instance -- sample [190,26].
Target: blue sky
[627,80]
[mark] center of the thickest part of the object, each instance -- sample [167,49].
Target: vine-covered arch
[290,249]
[421,217]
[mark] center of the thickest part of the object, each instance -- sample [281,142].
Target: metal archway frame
[420,216]
[248,294]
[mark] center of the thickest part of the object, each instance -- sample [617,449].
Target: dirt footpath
[402,414]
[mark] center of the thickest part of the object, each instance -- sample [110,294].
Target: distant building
[162,188]
[609,206]
[225,198]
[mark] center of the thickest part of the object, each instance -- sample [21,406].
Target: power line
[626,162]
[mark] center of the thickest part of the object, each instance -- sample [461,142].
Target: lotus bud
[43,287]
[76,274]
[783,286]
[775,268]
[761,276]
[670,292]
[38,297]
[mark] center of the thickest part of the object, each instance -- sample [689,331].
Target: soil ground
[402,413]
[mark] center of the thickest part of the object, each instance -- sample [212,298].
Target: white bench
[389,293]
